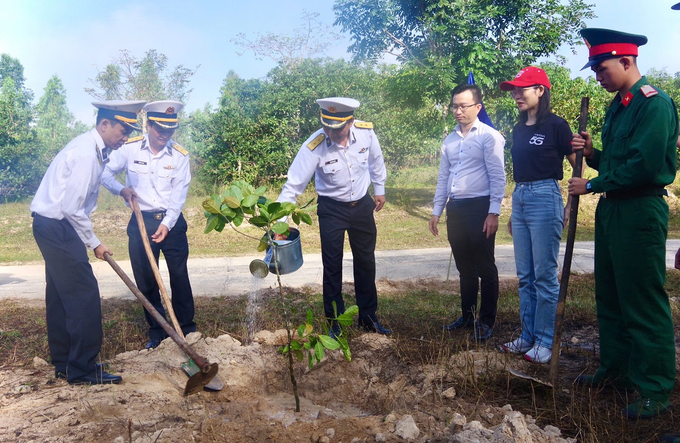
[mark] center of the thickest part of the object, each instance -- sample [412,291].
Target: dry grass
[416,314]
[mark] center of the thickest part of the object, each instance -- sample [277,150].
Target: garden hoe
[207,371]
[566,267]
[190,367]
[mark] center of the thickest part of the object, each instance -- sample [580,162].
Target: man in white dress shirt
[345,157]
[158,175]
[63,231]
[472,180]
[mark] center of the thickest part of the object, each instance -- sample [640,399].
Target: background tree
[288,51]
[439,41]
[55,125]
[146,78]
[20,165]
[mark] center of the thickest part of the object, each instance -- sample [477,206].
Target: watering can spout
[288,255]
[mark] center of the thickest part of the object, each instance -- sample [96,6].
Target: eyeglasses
[463,108]
[519,92]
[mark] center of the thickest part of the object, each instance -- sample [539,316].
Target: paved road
[230,276]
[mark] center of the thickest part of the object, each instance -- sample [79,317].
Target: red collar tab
[627,99]
[614,49]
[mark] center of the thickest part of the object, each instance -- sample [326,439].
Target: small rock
[39,362]
[575,340]
[119,439]
[390,418]
[552,431]
[327,413]
[380,437]
[507,408]
[406,428]
[324,439]
[458,420]
[356,440]
[449,394]
[330,432]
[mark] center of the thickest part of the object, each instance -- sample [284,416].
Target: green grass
[402,224]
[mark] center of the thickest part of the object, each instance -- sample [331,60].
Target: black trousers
[474,255]
[175,249]
[336,218]
[73,307]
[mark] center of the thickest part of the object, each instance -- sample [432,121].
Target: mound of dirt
[373,398]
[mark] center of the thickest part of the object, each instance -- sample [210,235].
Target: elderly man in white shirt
[472,180]
[63,231]
[345,157]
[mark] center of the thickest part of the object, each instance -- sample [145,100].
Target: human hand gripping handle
[583,147]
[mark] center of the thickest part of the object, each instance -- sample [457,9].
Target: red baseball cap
[529,76]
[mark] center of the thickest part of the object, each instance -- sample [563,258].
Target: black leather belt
[635,193]
[154,215]
[339,203]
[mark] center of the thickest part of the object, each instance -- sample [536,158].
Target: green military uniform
[631,223]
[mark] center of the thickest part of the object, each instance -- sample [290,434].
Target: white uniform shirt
[471,166]
[342,173]
[70,187]
[161,180]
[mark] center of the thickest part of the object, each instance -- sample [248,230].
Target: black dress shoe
[97,378]
[370,325]
[461,323]
[153,343]
[482,332]
[61,373]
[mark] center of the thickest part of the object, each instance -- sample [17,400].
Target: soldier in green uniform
[637,161]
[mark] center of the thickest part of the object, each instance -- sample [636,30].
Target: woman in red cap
[540,141]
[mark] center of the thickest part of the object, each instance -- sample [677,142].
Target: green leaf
[308,203]
[261,190]
[319,351]
[301,330]
[347,317]
[305,217]
[227,212]
[264,215]
[299,355]
[211,223]
[258,221]
[212,204]
[232,202]
[237,220]
[310,316]
[221,223]
[250,200]
[295,345]
[311,359]
[236,191]
[328,342]
[262,246]
[280,228]
[284,349]
[347,353]
[273,207]
[296,217]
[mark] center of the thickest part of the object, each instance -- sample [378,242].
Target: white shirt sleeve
[494,158]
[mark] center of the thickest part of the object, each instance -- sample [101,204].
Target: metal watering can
[288,253]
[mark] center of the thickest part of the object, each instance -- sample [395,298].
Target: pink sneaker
[517,346]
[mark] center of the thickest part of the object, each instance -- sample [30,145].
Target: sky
[74,39]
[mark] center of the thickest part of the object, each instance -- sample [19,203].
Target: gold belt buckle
[353,204]
[159,215]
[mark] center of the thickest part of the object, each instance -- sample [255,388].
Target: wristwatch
[589,187]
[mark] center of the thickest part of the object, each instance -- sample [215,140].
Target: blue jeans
[537,223]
